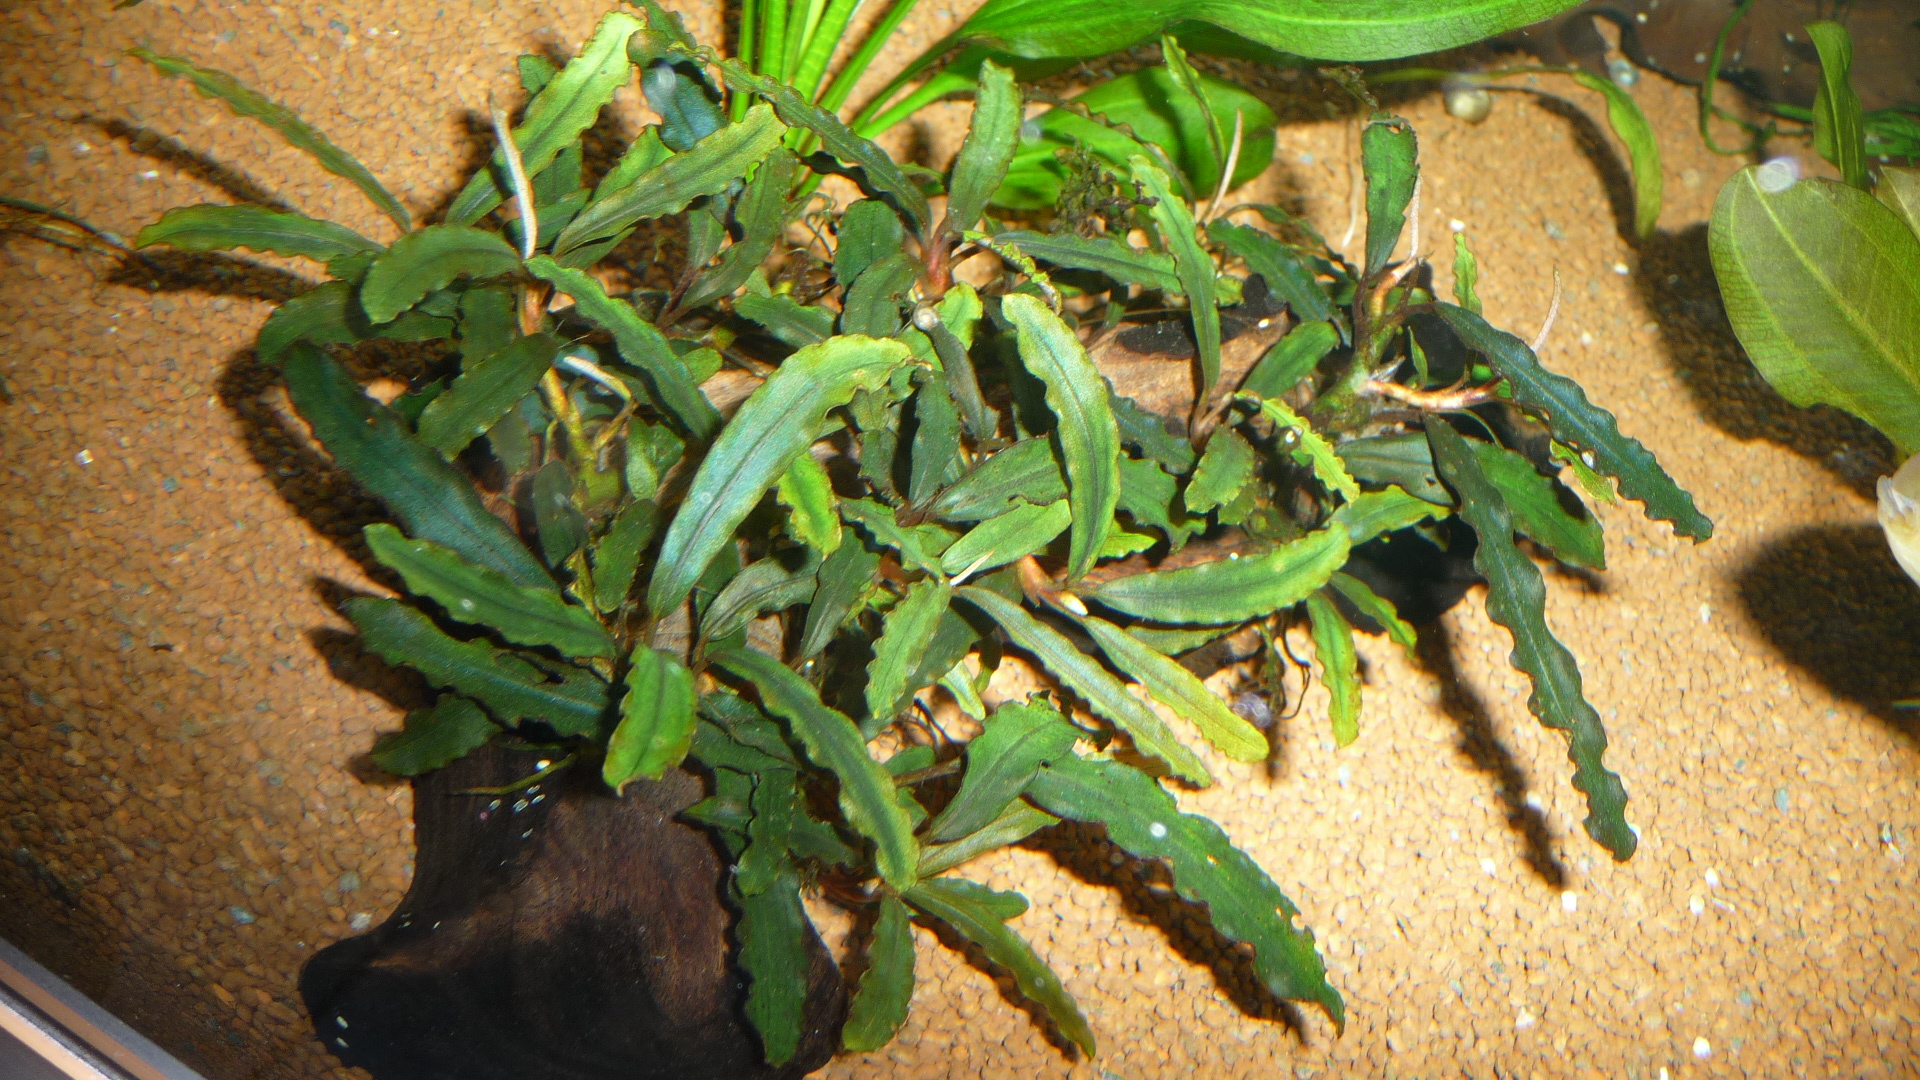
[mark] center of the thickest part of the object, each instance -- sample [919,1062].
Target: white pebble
[1706,616]
[1702,1049]
[1456,225]
[1486,866]
[1696,905]
[1524,1021]
[1569,901]
[84,457]
[1713,876]
[360,921]
[1621,269]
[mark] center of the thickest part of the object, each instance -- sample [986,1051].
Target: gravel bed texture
[187,810]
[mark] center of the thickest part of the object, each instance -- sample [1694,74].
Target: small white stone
[1586,337]
[1712,876]
[1524,1021]
[1702,1049]
[1706,616]
[1486,866]
[1696,905]
[84,457]
[1569,901]
[1157,831]
[1457,225]
[1621,269]
[361,920]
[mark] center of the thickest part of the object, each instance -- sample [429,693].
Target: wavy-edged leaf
[1179,639]
[775,424]
[1230,590]
[1534,501]
[512,688]
[911,543]
[429,259]
[559,114]
[707,169]
[1288,274]
[1025,472]
[1223,470]
[1088,436]
[481,596]
[436,737]
[1083,675]
[880,1004]
[1104,254]
[844,577]
[1147,432]
[872,304]
[980,915]
[903,640]
[431,500]
[213,227]
[1012,536]
[868,231]
[479,396]
[656,720]
[1379,609]
[1242,901]
[769,584]
[249,103]
[330,315]
[807,493]
[1390,153]
[616,558]
[1191,264]
[936,460]
[1403,461]
[1516,599]
[762,214]
[1178,689]
[785,318]
[1014,743]
[992,135]
[1375,513]
[1339,667]
[834,743]
[1579,423]
[773,931]
[1018,821]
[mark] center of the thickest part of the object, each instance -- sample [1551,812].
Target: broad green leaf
[762,214]
[807,493]
[436,737]
[1404,461]
[774,802]
[430,499]
[481,596]
[1291,359]
[489,321]
[1088,436]
[1288,274]
[1579,423]
[1012,536]
[1230,590]
[668,381]
[1379,609]
[512,688]
[1012,745]
[773,426]
[1242,901]
[878,520]
[1310,448]
[769,584]
[1108,255]
[1339,667]
[880,1004]
[656,720]
[1643,149]
[223,228]
[616,558]
[1389,153]
[1538,513]
[992,136]
[936,460]
[1083,675]
[1838,133]
[786,319]
[429,259]
[834,743]
[247,103]
[1376,513]
[868,232]
[1178,689]
[1466,275]
[1192,265]
[1224,469]
[979,914]
[903,640]
[1025,472]
[559,114]
[872,306]
[1018,821]
[1147,432]
[1516,599]
[482,394]
[846,575]
[1819,284]
[773,931]
[331,315]
[707,169]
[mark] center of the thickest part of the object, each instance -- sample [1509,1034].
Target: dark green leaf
[1389,153]
[1516,599]
[775,806]
[1288,274]
[1223,470]
[561,526]
[1579,423]
[873,301]
[1178,689]
[1084,676]
[1230,590]
[762,213]
[773,949]
[908,630]
[489,321]
[1339,667]
[913,544]
[481,596]
[991,138]
[1402,460]
[1088,436]
[980,915]
[1147,433]
[1192,265]
[656,720]
[430,499]
[563,110]
[452,729]
[430,259]
[844,577]
[481,395]
[868,232]
[636,161]
[1176,640]
[1838,133]
[1017,822]
[1291,359]
[223,228]
[1015,741]
[1242,901]
[834,743]
[331,315]
[767,585]
[1026,472]
[688,111]
[1105,254]
[247,103]
[1378,608]
[512,688]
[1375,513]
[616,558]
[1538,512]
[995,542]
[880,1004]
[936,460]
[786,319]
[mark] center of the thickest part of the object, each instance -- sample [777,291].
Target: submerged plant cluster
[926,476]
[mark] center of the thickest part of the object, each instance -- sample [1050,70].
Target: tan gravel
[189,814]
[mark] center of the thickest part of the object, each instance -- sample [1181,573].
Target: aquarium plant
[784,595]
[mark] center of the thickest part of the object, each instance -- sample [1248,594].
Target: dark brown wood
[555,934]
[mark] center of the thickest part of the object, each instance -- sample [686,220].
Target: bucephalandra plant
[927,473]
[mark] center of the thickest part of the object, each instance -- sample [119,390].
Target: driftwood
[579,938]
